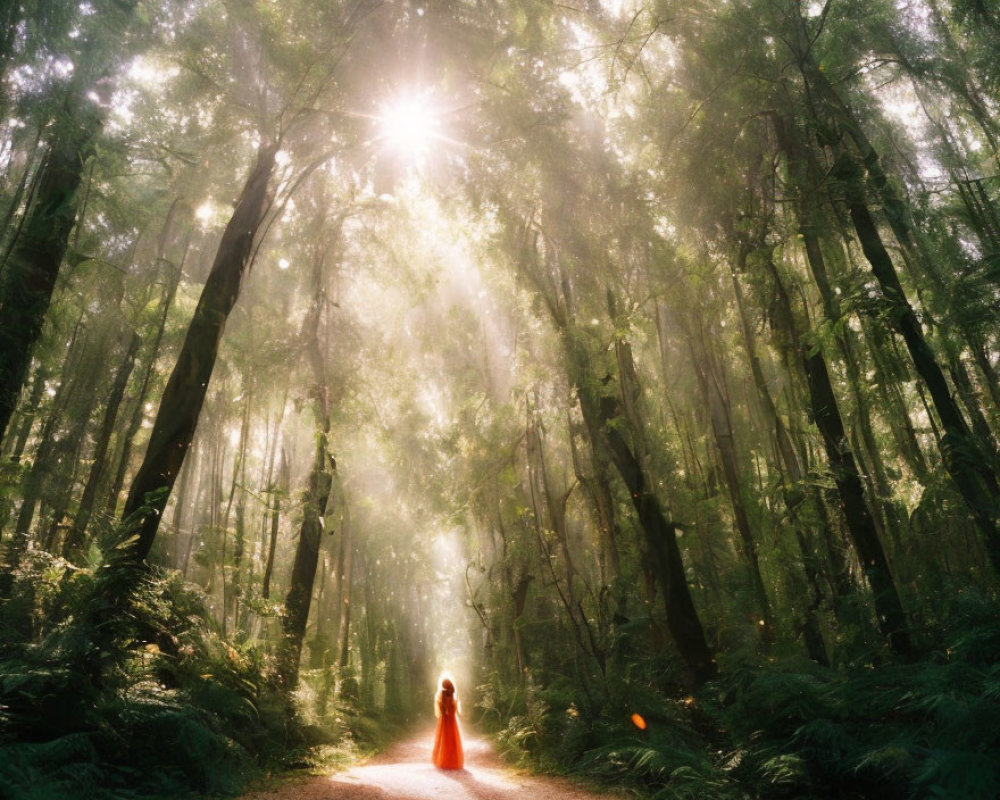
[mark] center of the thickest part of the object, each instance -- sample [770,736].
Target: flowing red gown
[447,740]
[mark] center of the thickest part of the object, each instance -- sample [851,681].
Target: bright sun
[409,126]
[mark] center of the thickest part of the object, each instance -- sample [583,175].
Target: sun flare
[409,125]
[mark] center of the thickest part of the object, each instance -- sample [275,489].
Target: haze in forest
[635,362]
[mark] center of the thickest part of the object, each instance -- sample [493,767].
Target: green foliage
[924,729]
[784,728]
[570,731]
[109,703]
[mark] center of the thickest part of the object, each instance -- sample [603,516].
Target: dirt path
[405,772]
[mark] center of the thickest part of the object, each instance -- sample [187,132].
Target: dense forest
[637,362]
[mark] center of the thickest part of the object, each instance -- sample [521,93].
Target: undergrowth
[115,683]
[780,728]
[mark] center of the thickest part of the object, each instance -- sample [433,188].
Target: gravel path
[405,772]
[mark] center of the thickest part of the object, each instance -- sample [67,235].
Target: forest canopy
[634,361]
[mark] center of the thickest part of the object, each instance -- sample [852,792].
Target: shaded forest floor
[404,772]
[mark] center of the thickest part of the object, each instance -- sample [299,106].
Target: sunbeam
[410,125]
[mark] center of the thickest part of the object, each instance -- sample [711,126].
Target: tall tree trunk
[76,537]
[299,597]
[967,465]
[519,598]
[665,558]
[271,516]
[972,473]
[597,483]
[880,488]
[603,416]
[197,468]
[317,496]
[796,496]
[139,404]
[239,532]
[235,487]
[29,276]
[712,395]
[62,433]
[276,491]
[27,412]
[891,375]
[368,639]
[25,192]
[185,391]
[180,507]
[345,573]
[825,411]
[517,593]
[540,483]
[695,477]
[73,384]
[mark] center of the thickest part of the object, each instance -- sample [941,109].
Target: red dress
[447,740]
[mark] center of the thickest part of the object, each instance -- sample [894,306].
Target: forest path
[405,772]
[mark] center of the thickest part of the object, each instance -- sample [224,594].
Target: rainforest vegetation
[635,361]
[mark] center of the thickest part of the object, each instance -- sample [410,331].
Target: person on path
[447,752]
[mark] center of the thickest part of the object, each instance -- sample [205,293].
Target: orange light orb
[639,722]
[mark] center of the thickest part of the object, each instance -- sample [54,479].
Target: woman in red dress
[447,740]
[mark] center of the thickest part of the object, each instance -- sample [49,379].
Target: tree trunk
[795,494]
[138,410]
[276,492]
[962,457]
[62,433]
[197,468]
[661,535]
[29,276]
[236,485]
[540,482]
[519,598]
[185,391]
[668,567]
[345,563]
[299,597]
[180,507]
[603,417]
[825,411]
[271,516]
[597,483]
[27,413]
[76,537]
[891,374]
[239,533]
[712,395]
[317,497]
[24,193]
[973,475]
